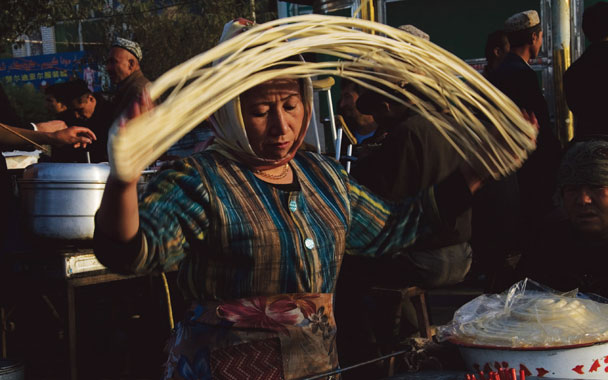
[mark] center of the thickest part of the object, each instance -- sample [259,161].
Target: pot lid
[59,171]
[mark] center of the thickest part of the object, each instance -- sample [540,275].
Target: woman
[258,230]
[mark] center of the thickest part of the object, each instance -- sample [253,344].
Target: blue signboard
[44,70]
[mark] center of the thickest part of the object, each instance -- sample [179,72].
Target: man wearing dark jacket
[415,156]
[586,81]
[91,111]
[519,82]
[411,155]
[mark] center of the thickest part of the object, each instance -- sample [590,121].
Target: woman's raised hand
[140,105]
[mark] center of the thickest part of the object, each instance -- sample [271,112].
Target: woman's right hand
[118,215]
[120,131]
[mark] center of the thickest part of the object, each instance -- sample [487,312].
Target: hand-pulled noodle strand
[483,125]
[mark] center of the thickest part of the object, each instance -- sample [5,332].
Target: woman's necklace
[281,175]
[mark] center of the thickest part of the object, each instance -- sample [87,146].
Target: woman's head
[274,115]
[264,126]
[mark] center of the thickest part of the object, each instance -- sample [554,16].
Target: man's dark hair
[369,100]
[523,37]
[356,87]
[77,90]
[57,91]
[595,21]
[496,39]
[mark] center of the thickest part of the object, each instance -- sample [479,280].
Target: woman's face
[273,113]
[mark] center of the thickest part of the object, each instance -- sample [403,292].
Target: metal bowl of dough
[581,361]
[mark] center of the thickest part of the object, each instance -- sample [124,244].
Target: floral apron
[287,336]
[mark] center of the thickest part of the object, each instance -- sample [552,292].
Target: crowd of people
[277,246]
[74,104]
[81,120]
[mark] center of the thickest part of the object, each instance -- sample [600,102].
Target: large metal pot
[60,199]
[11,370]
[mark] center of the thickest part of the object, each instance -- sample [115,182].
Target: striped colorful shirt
[237,236]
[258,262]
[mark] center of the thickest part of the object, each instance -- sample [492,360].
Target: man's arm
[75,136]
[51,126]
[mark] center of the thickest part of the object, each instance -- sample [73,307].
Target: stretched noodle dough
[489,130]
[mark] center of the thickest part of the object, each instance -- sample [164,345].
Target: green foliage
[172,34]
[66,37]
[169,31]
[28,102]
[19,17]
[5,52]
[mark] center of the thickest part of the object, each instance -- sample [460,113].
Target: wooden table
[23,274]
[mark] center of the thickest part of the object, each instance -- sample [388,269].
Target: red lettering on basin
[487,368]
[594,366]
[579,369]
[541,372]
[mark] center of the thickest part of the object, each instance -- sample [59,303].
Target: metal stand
[71,285]
[324,85]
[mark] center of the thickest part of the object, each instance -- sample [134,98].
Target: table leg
[71,299]
[3,327]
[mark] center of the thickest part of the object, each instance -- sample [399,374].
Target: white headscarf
[229,127]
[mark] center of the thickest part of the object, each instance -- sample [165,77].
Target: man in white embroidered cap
[125,73]
[516,78]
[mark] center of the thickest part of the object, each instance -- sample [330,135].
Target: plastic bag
[18,159]
[529,315]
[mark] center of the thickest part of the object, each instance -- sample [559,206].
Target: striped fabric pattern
[256,361]
[236,236]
